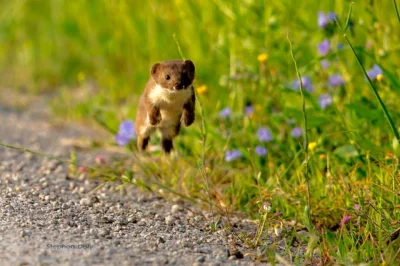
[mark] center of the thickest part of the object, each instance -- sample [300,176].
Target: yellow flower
[312,146]
[208,170]
[258,107]
[379,77]
[322,156]
[202,89]
[262,57]
[81,77]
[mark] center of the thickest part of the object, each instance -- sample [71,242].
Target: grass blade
[371,84]
[305,129]
[387,115]
[348,17]
[397,10]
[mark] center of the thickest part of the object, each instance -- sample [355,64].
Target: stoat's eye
[167,77]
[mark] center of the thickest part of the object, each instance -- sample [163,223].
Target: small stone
[47,198]
[81,190]
[82,177]
[132,219]
[86,202]
[107,219]
[142,222]
[45,184]
[202,250]
[59,169]
[25,233]
[232,258]
[201,259]
[122,221]
[176,208]
[104,232]
[169,220]
[198,218]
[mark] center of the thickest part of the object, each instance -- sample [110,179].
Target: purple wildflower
[264,134]
[325,64]
[332,16]
[324,47]
[306,80]
[249,110]
[323,20]
[232,155]
[296,132]
[374,72]
[356,207]
[336,80]
[226,112]
[126,132]
[261,151]
[325,100]
[345,220]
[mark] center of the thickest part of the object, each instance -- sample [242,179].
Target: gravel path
[48,218]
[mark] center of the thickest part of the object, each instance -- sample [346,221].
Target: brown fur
[167,100]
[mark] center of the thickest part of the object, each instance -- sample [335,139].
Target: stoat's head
[174,75]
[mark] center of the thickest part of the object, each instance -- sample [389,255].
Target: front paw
[155,119]
[188,119]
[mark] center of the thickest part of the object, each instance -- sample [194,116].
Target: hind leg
[167,136]
[143,135]
[142,142]
[167,145]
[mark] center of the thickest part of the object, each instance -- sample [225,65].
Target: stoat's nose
[179,86]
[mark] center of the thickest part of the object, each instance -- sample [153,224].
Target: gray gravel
[49,218]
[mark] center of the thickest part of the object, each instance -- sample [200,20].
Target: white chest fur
[165,98]
[170,104]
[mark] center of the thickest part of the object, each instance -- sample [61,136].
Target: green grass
[97,56]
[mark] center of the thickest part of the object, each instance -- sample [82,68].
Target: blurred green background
[59,45]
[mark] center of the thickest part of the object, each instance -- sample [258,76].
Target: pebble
[86,202]
[201,259]
[131,219]
[202,250]
[142,222]
[104,232]
[169,220]
[176,208]
[24,233]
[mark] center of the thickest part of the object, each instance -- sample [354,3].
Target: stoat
[167,100]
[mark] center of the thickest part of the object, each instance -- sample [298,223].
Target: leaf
[347,151]
[348,18]
[365,112]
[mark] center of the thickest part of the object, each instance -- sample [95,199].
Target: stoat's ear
[190,66]
[154,70]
